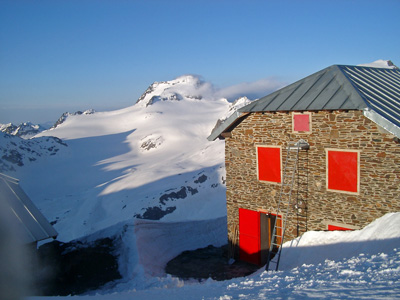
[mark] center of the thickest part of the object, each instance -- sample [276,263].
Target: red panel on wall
[342,171]
[301,122]
[249,236]
[269,164]
[334,227]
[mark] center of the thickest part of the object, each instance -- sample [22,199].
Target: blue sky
[58,56]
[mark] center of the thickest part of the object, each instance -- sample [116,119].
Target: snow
[118,164]
[24,130]
[172,238]
[380,63]
[237,104]
[381,234]
[361,264]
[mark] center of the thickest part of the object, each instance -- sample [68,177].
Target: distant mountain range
[145,178]
[23,130]
[28,130]
[151,160]
[16,152]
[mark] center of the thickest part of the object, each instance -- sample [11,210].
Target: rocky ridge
[187,86]
[65,115]
[24,130]
[16,152]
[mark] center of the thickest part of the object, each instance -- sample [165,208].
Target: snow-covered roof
[376,91]
[22,214]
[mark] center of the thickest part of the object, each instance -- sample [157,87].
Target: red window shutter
[301,122]
[334,227]
[269,164]
[342,171]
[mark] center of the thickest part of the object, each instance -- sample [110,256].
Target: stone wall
[379,170]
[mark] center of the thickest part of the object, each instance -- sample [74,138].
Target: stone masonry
[315,207]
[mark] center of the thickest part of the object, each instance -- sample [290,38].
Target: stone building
[349,175]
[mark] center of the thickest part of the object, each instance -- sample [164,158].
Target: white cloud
[251,90]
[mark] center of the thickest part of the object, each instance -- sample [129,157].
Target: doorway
[255,231]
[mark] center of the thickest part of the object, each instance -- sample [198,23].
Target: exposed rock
[191,86]
[65,115]
[181,194]
[16,152]
[209,262]
[74,268]
[14,157]
[24,130]
[201,179]
[155,213]
[150,142]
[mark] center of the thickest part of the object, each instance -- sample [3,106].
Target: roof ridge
[337,87]
[396,69]
[355,87]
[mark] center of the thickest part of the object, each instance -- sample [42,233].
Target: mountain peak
[186,79]
[180,88]
[65,115]
[235,105]
[24,130]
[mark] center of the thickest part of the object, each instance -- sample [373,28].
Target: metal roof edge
[223,126]
[367,67]
[382,122]
[34,211]
[9,178]
[25,211]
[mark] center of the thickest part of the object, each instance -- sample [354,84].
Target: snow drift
[332,265]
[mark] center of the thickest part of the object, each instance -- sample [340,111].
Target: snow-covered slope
[183,87]
[362,264]
[65,115]
[16,152]
[151,161]
[234,106]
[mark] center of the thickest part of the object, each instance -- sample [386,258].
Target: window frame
[327,170]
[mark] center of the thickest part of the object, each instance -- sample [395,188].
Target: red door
[249,236]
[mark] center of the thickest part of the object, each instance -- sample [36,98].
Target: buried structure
[22,225]
[24,218]
[320,154]
[54,268]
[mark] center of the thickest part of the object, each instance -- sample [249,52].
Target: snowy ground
[362,264]
[119,165]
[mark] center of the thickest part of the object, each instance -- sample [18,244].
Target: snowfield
[148,175]
[150,160]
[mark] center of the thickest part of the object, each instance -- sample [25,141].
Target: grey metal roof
[23,215]
[380,89]
[338,87]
